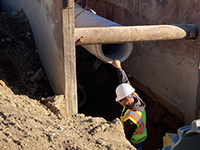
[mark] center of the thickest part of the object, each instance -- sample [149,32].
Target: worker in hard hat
[133,116]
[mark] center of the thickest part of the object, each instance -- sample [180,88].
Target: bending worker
[133,116]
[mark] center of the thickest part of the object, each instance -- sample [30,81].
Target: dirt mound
[27,124]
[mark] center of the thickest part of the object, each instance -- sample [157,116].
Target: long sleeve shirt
[122,77]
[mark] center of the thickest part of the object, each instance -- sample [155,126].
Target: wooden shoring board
[69,59]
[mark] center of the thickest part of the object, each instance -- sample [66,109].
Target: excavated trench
[96,80]
[96,97]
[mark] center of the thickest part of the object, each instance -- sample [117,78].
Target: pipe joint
[191,30]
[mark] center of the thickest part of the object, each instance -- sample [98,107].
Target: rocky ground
[29,116]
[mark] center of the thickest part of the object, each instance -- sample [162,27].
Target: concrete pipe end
[121,51]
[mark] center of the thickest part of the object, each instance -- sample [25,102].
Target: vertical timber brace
[69,58]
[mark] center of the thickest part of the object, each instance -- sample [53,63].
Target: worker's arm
[129,128]
[122,77]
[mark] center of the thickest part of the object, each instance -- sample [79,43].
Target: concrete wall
[45,17]
[168,70]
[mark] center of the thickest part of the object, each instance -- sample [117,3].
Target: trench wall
[45,18]
[165,70]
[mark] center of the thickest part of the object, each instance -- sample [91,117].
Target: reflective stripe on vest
[135,116]
[135,94]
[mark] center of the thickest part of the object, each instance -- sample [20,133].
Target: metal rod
[129,34]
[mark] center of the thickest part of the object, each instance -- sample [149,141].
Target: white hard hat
[123,90]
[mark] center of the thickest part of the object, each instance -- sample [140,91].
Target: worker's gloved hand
[116,63]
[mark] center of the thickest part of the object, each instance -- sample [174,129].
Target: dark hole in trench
[99,86]
[9,70]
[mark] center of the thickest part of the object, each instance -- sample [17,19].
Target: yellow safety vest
[138,118]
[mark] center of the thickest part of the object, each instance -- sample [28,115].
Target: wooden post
[69,58]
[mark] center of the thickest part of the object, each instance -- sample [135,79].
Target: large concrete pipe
[105,52]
